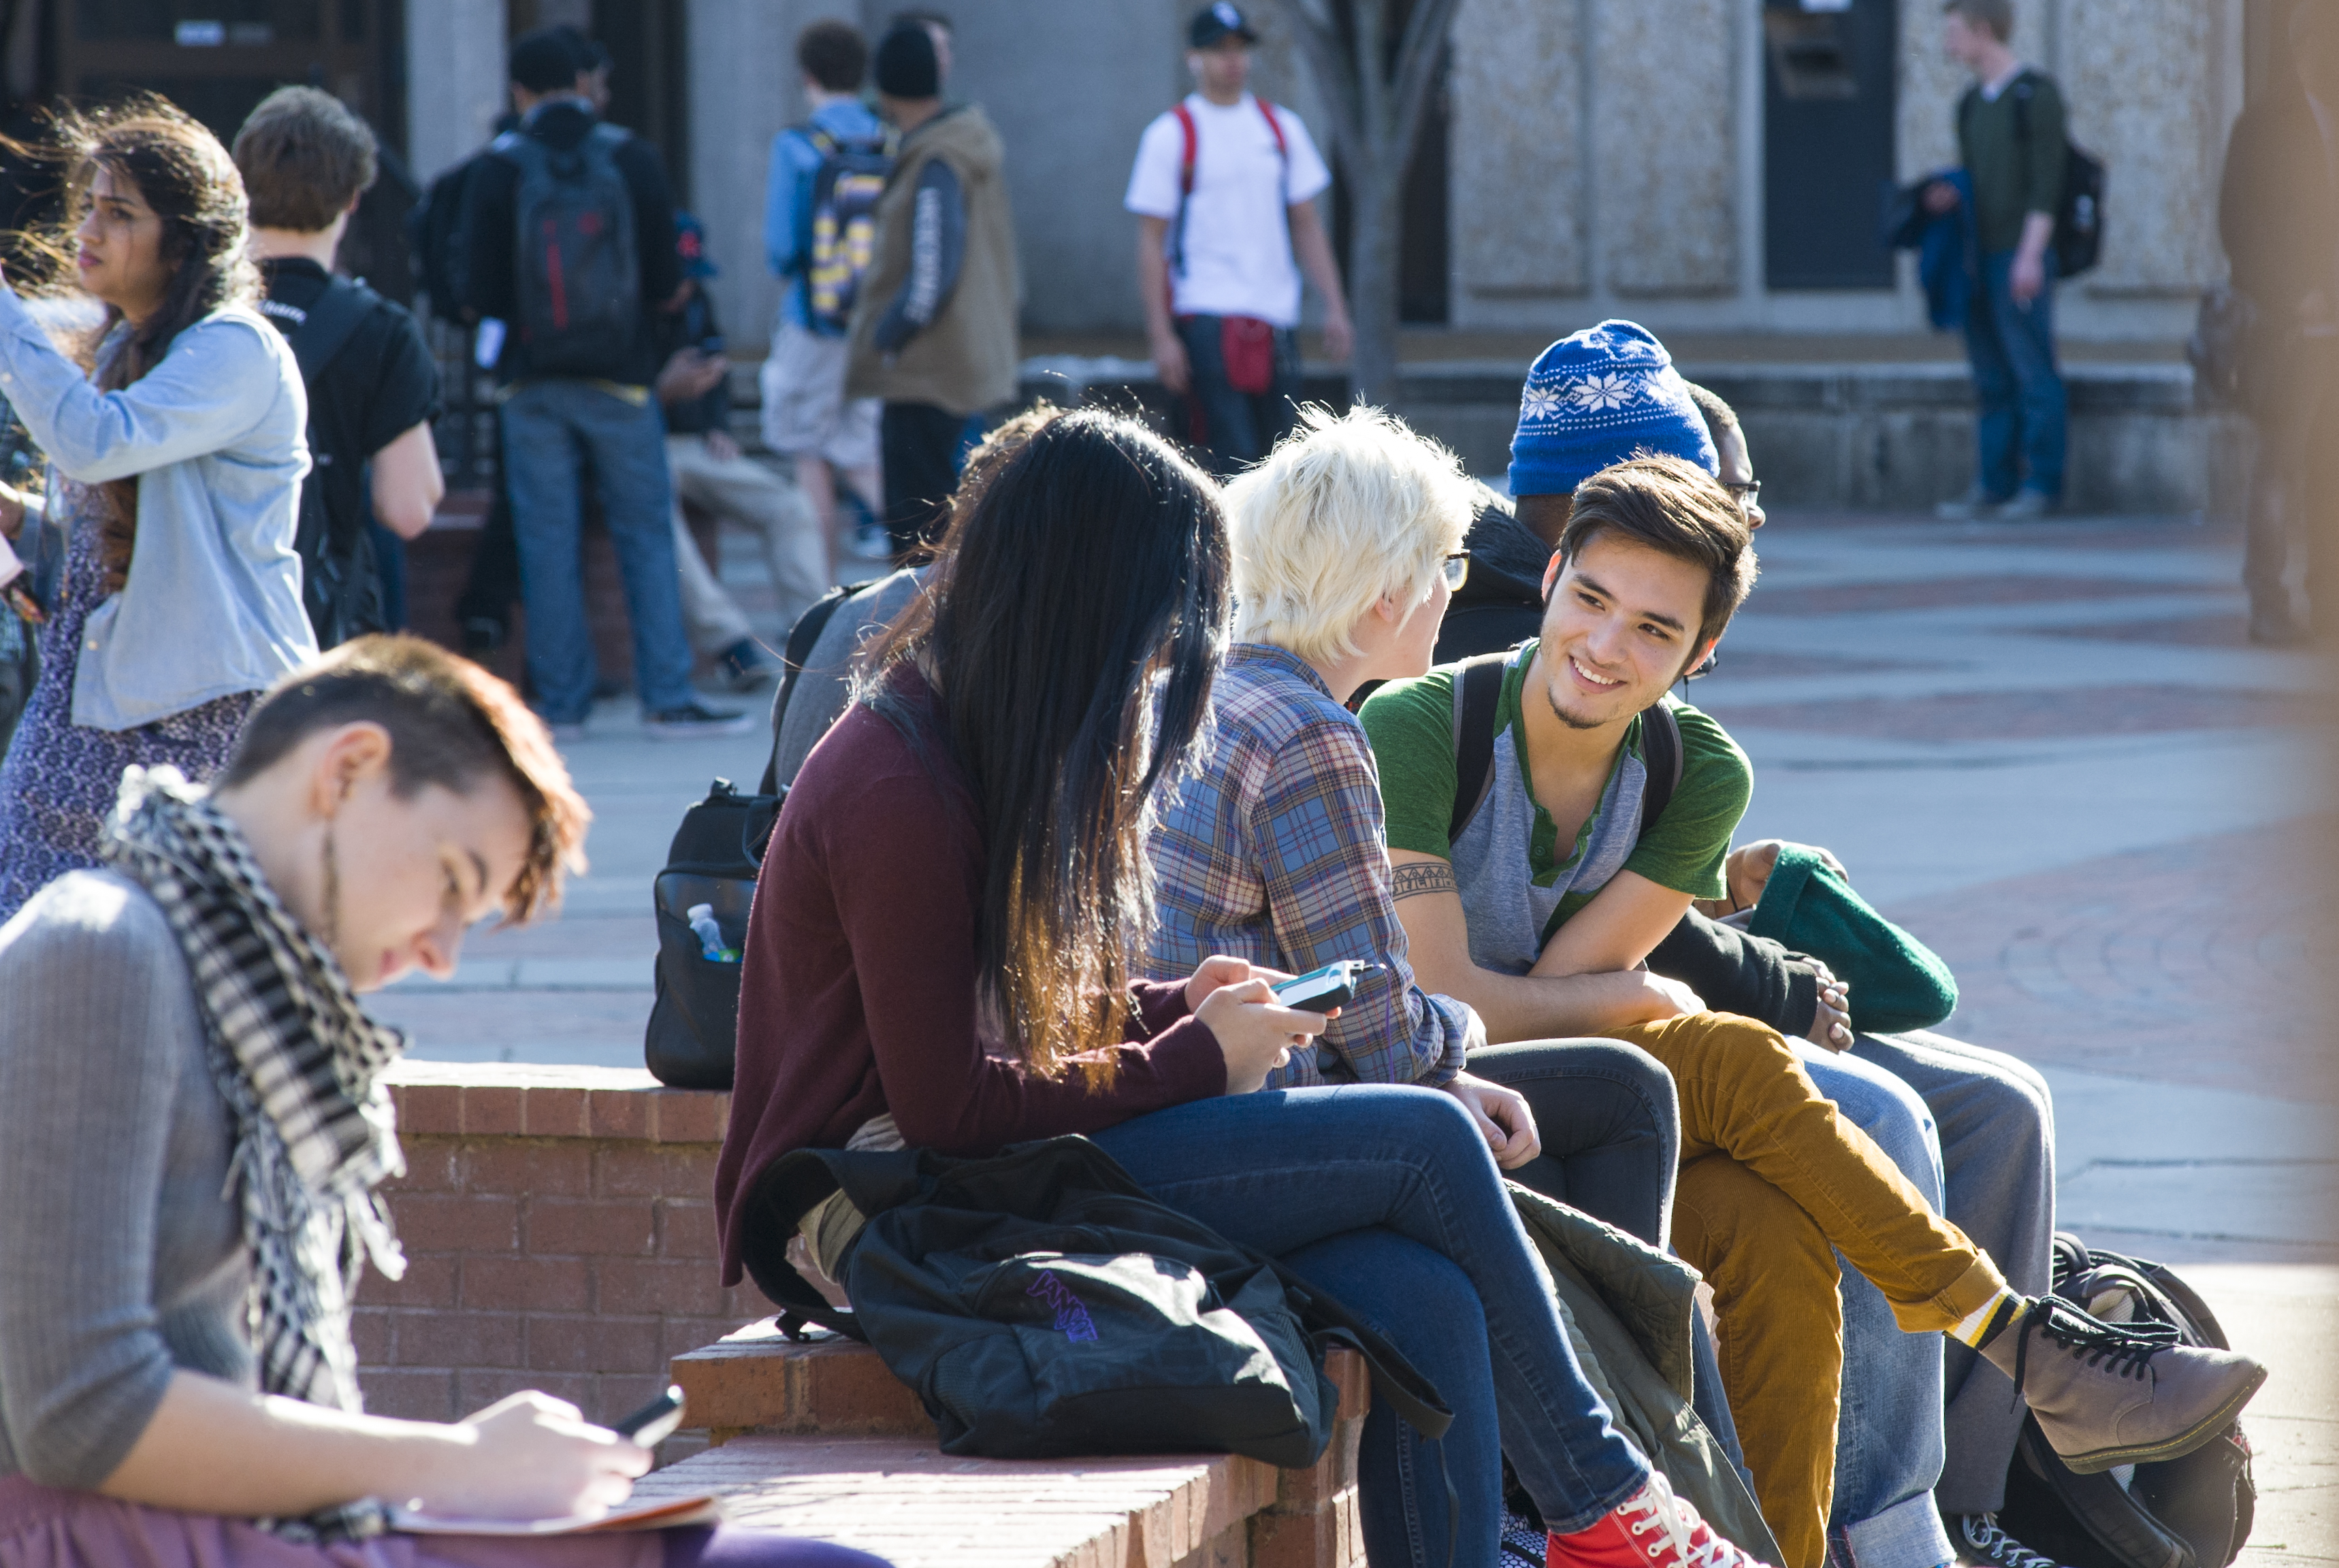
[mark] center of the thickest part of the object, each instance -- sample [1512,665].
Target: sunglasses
[1456,571]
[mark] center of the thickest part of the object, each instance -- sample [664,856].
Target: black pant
[918,445]
[492,587]
[1229,429]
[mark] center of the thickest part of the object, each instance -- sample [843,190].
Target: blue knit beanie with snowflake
[1597,398]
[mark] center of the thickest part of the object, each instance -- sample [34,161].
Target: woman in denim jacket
[174,433]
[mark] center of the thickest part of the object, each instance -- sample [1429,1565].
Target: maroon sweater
[857,989]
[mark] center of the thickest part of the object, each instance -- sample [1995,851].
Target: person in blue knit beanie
[1593,399]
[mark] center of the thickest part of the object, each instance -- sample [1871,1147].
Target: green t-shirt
[1411,725]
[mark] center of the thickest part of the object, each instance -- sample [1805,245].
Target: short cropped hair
[304,157]
[834,54]
[1998,16]
[548,60]
[1347,508]
[451,724]
[1678,509]
[1721,418]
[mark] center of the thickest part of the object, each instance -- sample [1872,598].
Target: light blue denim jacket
[216,436]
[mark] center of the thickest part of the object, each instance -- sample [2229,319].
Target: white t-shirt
[1237,240]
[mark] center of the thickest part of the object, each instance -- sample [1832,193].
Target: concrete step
[900,1498]
[1889,434]
[818,1438]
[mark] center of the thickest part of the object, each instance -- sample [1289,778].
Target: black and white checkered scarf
[300,1068]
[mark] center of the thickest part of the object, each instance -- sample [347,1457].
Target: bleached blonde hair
[1347,508]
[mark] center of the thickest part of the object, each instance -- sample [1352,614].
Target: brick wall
[559,1233]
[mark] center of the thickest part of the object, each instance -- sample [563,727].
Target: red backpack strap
[1192,140]
[1282,148]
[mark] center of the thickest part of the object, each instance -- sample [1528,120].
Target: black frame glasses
[1456,570]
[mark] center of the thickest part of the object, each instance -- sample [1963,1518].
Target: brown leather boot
[2109,1393]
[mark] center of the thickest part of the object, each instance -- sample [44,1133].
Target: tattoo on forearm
[1425,876]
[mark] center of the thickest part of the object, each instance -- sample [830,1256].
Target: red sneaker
[1650,1529]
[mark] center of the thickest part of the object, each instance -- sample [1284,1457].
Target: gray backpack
[576,267]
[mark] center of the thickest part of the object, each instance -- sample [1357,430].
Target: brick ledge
[516,1100]
[917,1508]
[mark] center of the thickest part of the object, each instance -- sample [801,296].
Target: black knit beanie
[905,65]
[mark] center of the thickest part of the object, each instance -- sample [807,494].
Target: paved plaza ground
[2048,750]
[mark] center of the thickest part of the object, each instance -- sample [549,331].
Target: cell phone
[711,345]
[1322,989]
[654,1423]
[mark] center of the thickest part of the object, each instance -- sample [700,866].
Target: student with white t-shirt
[1224,190]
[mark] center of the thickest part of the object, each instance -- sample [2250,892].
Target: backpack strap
[1478,694]
[1282,147]
[1661,757]
[1189,148]
[328,326]
[800,642]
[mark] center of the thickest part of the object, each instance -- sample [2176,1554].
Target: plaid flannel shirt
[1276,853]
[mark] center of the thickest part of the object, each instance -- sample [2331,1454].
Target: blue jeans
[1888,1442]
[552,430]
[1236,430]
[2023,409]
[1389,1198]
[1996,1125]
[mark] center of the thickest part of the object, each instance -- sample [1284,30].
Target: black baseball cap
[1217,21]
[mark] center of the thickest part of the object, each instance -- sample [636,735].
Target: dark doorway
[1827,123]
[218,58]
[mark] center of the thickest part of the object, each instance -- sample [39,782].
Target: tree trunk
[1374,208]
[1374,61]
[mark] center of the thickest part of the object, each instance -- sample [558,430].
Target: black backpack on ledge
[1042,1306]
[2190,1512]
[693,1038]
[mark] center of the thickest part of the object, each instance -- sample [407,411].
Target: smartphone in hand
[1322,989]
[654,1423]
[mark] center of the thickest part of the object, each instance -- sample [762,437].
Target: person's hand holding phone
[532,1457]
[687,375]
[1223,970]
[1255,1032]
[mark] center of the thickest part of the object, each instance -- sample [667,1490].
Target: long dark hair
[183,173]
[1073,626]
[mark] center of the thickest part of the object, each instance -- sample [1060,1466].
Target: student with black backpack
[569,243]
[373,388]
[2012,143]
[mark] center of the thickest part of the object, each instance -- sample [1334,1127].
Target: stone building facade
[1598,156]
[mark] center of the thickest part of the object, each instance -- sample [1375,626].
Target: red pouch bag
[1248,346]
